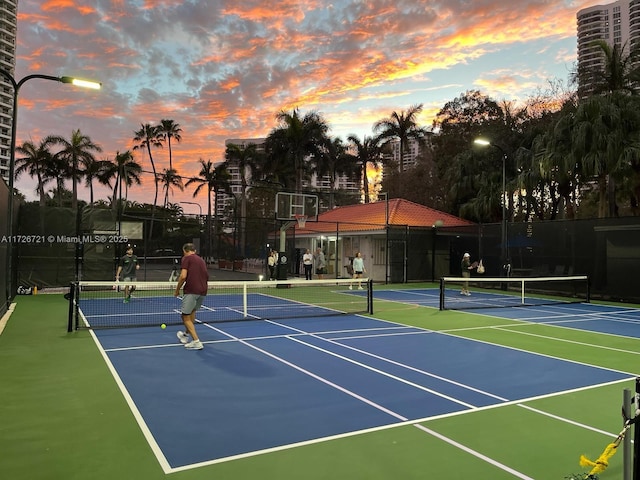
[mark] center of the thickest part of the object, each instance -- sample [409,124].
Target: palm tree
[34,161]
[369,150]
[293,142]
[620,73]
[76,153]
[333,163]
[95,170]
[57,169]
[124,169]
[402,126]
[170,178]
[167,130]
[604,136]
[617,81]
[246,159]
[214,180]
[148,136]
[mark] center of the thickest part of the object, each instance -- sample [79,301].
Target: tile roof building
[396,239]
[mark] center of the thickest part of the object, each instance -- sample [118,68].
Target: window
[379,251]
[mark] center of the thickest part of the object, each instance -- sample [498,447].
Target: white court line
[403,365]
[476,454]
[403,419]
[406,422]
[155,448]
[385,374]
[563,340]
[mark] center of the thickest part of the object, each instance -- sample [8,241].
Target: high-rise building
[8,31]
[409,157]
[616,23]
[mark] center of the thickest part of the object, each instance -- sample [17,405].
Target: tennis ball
[163,326]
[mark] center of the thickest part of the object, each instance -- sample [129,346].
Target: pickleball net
[99,305]
[458,293]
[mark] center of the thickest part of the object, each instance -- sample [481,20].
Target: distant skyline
[223,69]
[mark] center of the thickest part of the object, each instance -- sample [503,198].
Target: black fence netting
[604,249]
[6,282]
[46,250]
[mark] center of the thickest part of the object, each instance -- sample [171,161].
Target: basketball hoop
[301,219]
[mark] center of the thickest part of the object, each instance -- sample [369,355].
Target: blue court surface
[608,319]
[262,385]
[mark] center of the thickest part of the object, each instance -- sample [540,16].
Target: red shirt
[197,274]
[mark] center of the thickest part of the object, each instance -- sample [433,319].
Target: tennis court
[407,391]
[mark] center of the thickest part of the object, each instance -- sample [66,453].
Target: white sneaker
[468,294]
[194,345]
[350,287]
[183,337]
[360,288]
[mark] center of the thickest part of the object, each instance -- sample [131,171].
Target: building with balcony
[616,23]
[8,31]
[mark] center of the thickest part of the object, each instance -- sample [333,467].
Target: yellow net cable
[602,462]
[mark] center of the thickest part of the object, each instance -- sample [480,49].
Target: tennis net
[457,293]
[99,305]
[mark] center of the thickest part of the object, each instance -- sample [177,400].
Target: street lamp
[196,204]
[12,152]
[503,241]
[199,220]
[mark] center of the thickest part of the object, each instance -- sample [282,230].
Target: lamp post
[12,151]
[503,233]
[196,204]
[199,218]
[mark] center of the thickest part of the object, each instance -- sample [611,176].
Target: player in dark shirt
[127,268]
[194,276]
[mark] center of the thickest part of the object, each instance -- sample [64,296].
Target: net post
[442,293]
[370,296]
[70,322]
[636,435]
[245,307]
[626,442]
[588,299]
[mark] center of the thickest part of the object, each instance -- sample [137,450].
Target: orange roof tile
[372,216]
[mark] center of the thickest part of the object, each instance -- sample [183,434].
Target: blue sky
[223,69]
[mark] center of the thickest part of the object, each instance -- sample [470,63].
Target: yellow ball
[163,326]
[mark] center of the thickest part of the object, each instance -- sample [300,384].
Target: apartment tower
[616,23]
[8,32]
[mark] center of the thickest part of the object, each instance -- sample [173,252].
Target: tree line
[566,154]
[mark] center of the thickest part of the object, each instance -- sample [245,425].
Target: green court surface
[62,415]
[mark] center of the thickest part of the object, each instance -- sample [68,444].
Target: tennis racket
[474,265]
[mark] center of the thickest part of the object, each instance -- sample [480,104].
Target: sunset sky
[222,69]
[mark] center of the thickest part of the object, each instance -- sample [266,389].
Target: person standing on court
[358,270]
[127,267]
[321,263]
[466,267]
[194,276]
[271,262]
[307,263]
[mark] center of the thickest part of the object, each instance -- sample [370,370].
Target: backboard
[289,205]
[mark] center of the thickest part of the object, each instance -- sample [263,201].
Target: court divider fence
[603,249]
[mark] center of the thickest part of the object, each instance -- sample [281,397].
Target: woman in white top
[358,270]
[307,262]
[271,262]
